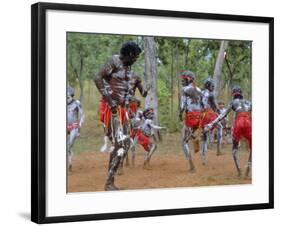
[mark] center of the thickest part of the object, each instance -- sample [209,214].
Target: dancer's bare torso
[191,99]
[137,120]
[73,111]
[148,127]
[238,105]
[118,81]
[208,100]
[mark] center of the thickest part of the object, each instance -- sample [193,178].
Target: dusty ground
[168,170]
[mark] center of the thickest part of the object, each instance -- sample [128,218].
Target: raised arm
[157,127]
[150,123]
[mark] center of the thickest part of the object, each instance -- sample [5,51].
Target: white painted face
[69,99]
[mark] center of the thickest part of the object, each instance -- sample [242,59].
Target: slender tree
[172,82]
[151,74]
[218,67]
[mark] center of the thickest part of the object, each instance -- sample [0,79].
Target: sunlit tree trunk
[81,81]
[151,74]
[177,70]
[218,67]
[172,82]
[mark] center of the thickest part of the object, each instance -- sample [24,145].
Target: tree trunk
[151,75]
[81,81]
[177,71]
[187,48]
[187,52]
[218,67]
[172,83]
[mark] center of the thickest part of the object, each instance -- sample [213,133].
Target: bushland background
[162,61]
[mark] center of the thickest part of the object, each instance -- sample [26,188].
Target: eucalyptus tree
[219,66]
[151,74]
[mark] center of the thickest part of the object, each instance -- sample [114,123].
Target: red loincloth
[105,113]
[143,140]
[207,117]
[193,119]
[133,106]
[243,127]
[72,126]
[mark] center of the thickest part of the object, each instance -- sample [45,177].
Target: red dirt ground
[167,171]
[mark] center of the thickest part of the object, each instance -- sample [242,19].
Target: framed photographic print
[139,112]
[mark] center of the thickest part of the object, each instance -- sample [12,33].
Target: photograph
[141,112]
[147,112]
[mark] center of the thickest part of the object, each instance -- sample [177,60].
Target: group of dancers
[202,112]
[126,125]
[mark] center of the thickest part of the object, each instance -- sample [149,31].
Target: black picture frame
[38,111]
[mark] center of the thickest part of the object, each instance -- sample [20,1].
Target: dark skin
[213,104]
[117,84]
[129,60]
[186,81]
[212,101]
[211,88]
[113,74]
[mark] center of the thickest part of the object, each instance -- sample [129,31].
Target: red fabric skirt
[243,127]
[105,113]
[193,119]
[134,106]
[143,140]
[207,117]
[72,126]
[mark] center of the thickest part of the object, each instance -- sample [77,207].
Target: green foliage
[239,70]
[87,53]
[163,102]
